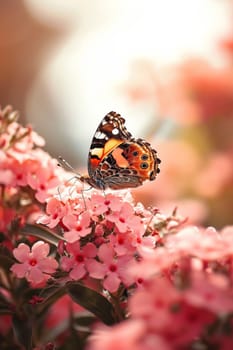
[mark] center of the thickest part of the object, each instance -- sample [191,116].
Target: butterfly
[116,160]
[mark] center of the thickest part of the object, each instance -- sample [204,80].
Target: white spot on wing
[115,131]
[100,135]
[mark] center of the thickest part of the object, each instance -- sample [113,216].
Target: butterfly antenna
[65,164]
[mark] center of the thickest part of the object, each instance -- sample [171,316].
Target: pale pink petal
[48,265]
[115,202]
[70,221]
[6,177]
[53,206]
[112,282]
[40,250]
[42,196]
[35,276]
[78,272]
[127,210]
[21,253]
[71,236]
[67,263]
[73,248]
[32,180]
[121,224]
[84,232]
[106,253]
[90,250]
[19,270]
[95,268]
[85,219]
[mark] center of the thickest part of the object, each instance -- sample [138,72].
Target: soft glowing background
[65,64]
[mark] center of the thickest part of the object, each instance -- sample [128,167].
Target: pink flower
[55,210]
[210,291]
[77,259]
[156,298]
[126,219]
[78,226]
[112,269]
[206,244]
[35,265]
[100,204]
[43,180]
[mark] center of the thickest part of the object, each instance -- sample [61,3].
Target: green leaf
[42,232]
[93,302]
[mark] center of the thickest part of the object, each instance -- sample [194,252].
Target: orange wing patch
[120,160]
[101,153]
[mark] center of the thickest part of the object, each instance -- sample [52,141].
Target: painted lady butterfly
[116,159]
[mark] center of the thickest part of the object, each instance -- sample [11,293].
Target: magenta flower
[34,264]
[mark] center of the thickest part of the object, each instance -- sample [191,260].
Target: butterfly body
[117,160]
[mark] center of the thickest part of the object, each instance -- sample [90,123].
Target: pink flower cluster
[169,283]
[103,233]
[187,289]
[28,175]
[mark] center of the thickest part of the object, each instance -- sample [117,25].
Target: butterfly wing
[128,165]
[110,133]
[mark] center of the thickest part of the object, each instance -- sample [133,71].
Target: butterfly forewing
[110,133]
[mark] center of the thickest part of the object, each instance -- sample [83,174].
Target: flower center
[120,240]
[112,268]
[33,262]
[79,258]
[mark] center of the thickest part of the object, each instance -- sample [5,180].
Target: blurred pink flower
[195,210]
[60,311]
[128,335]
[216,175]
[210,291]
[35,265]
[43,180]
[205,244]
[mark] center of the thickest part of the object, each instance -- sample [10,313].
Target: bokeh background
[166,66]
